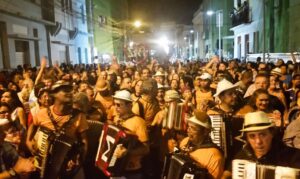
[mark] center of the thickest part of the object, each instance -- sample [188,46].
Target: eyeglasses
[118,104]
[4,112]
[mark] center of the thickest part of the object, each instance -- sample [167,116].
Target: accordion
[181,166]
[225,129]
[53,154]
[246,169]
[111,136]
[176,118]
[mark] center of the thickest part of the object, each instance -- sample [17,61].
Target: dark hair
[6,105]
[15,100]
[252,100]
[189,81]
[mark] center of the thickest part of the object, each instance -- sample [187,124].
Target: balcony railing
[240,15]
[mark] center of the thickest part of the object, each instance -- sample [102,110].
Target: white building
[30,29]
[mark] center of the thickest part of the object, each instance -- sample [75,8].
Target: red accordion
[111,137]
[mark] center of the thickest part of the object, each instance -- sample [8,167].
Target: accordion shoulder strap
[66,124]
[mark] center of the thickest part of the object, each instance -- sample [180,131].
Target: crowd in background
[205,88]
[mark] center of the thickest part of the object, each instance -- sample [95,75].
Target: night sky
[153,11]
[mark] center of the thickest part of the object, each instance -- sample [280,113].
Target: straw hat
[206,76]
[159,73]
[224,85]
[60,84]
[171,95]
[123,95]
[101,85]
[276,71]
[202,119]
[256,121]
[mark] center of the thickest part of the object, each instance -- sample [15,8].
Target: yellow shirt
[209,158]
[203,96]
[137,126]
[150,109]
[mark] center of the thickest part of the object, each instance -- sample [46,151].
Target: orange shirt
[137,126]
[209,158]
[151,108]
[42,119]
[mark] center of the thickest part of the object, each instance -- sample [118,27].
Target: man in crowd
[200,147]
[261,146]
[147,105]
[203,96]
[227,96]
[62,117]
[135,126]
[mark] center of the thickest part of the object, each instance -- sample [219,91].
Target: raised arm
[42,69]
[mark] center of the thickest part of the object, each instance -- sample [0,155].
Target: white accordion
[244,169]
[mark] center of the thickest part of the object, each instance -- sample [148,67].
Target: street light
[137,24]
[219,19]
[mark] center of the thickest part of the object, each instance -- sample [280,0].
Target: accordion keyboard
[216,122]
[43,146]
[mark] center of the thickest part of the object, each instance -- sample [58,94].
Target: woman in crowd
[18,113]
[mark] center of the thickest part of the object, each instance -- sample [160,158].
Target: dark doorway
[22,52]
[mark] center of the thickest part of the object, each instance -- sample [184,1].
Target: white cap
[123,95]
[206,76]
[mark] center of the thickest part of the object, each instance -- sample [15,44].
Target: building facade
[212,24]
[31,29]
[249,26]
[110,19]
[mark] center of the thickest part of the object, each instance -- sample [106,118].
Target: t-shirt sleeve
[141,130]
[216,165]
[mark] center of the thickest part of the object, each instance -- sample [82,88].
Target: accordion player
[110,139]
[200,147]
[54,151]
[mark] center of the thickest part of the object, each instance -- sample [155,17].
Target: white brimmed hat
[123,95]
[202,119]
[159,73]
[224,85]
[206,76]
[171,95]
[276,71]
[256,121]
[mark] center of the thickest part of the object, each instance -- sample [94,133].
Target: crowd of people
[138,98]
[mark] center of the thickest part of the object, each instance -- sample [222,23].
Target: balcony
[241,15]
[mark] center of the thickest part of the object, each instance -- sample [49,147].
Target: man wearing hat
[200,147]
[147,105]
[227,96]
[61,116]
[103,98]
[203,96]
[160,95]
[159,77]
[261,145]
[136,126]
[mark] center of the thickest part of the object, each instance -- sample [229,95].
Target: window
[247,44]
[82,13]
